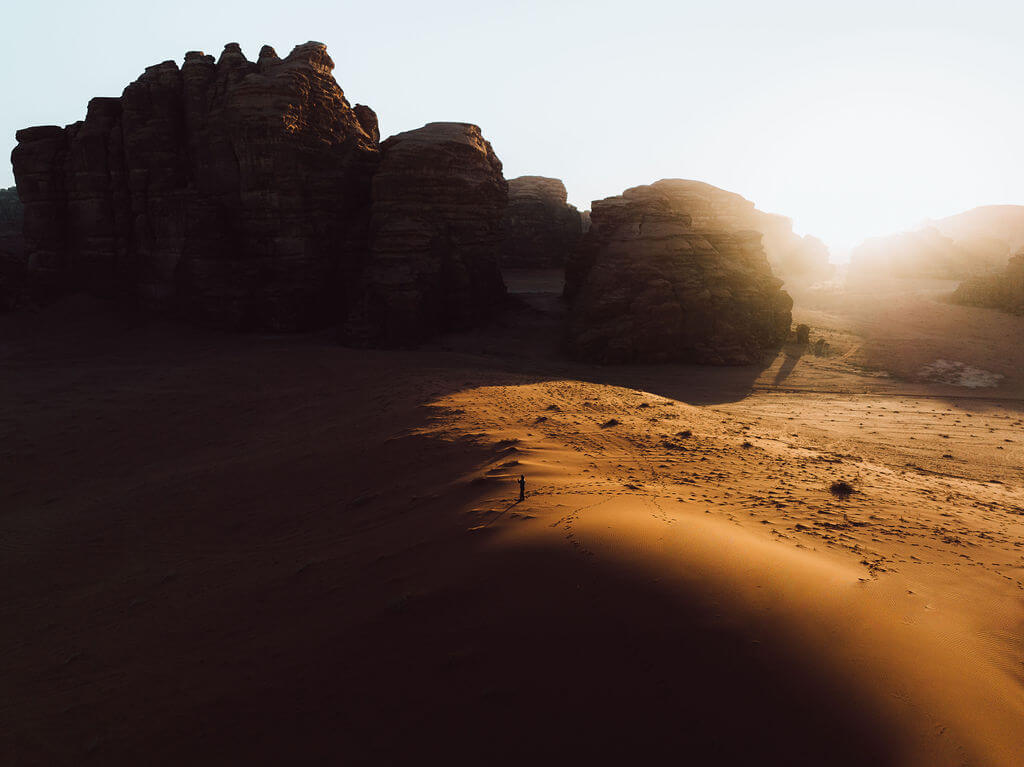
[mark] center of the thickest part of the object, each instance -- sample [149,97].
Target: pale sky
[854,119]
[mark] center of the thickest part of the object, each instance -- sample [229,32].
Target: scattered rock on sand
[959,374]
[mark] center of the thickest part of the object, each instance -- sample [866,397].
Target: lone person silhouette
[522,487]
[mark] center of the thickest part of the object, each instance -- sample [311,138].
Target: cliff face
[711,208]
[12,249]
[541,228]
[439,199]
[229,191]
[653,282]
[1004,290]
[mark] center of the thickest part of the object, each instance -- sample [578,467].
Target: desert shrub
[841,489]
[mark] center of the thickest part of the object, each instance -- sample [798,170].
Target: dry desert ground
[270,549]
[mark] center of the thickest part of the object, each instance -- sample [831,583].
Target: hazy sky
[854,119]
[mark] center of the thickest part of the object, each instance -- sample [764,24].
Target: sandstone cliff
[1003,290]
[439,199]
[659,279]
[790,255]
[229,191]
[12,249]
[541,228]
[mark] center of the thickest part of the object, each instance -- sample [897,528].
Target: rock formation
[541,228]
[658,279]
[927,253]
[230,191]
[12,249]
[1003,290]
[789,254]
[1002,223]
[436,231]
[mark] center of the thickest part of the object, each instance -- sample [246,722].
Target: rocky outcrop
[789,254]
[230,191]
[12,249]
[1003,290]
[658,279]
[1002,223]
[926,253]
[541,228]
[806,257]
[436,231]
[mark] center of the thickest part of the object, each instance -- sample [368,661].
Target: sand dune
[222,548]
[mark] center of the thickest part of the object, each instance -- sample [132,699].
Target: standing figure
[522,487]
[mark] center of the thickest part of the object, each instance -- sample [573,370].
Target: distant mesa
[1003,290]
[976,242]
[436,228]
[1004,223]
[541,228]
[926,253]
[662,276]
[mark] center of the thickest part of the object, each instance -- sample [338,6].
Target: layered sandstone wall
[541,228]
[711,208]
[12,249]
[437,228]
[653,282]
[229,191]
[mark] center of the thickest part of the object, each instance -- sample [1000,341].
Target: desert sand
[220,548]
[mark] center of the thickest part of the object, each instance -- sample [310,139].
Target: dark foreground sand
[242,548]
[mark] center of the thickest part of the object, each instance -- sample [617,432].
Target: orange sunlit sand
[533,383]
[678,580]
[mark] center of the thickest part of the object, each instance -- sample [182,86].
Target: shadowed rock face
[437,227]
[12,249]
[1003,291]
[541,229]
[651,283]
[230,191]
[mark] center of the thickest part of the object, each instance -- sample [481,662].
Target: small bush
[841,489]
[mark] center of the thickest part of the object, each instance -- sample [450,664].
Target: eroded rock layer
[655,282]
[1004,290]
[541,228]
[714,209]
[12,249]
[436,231]
[230,191]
